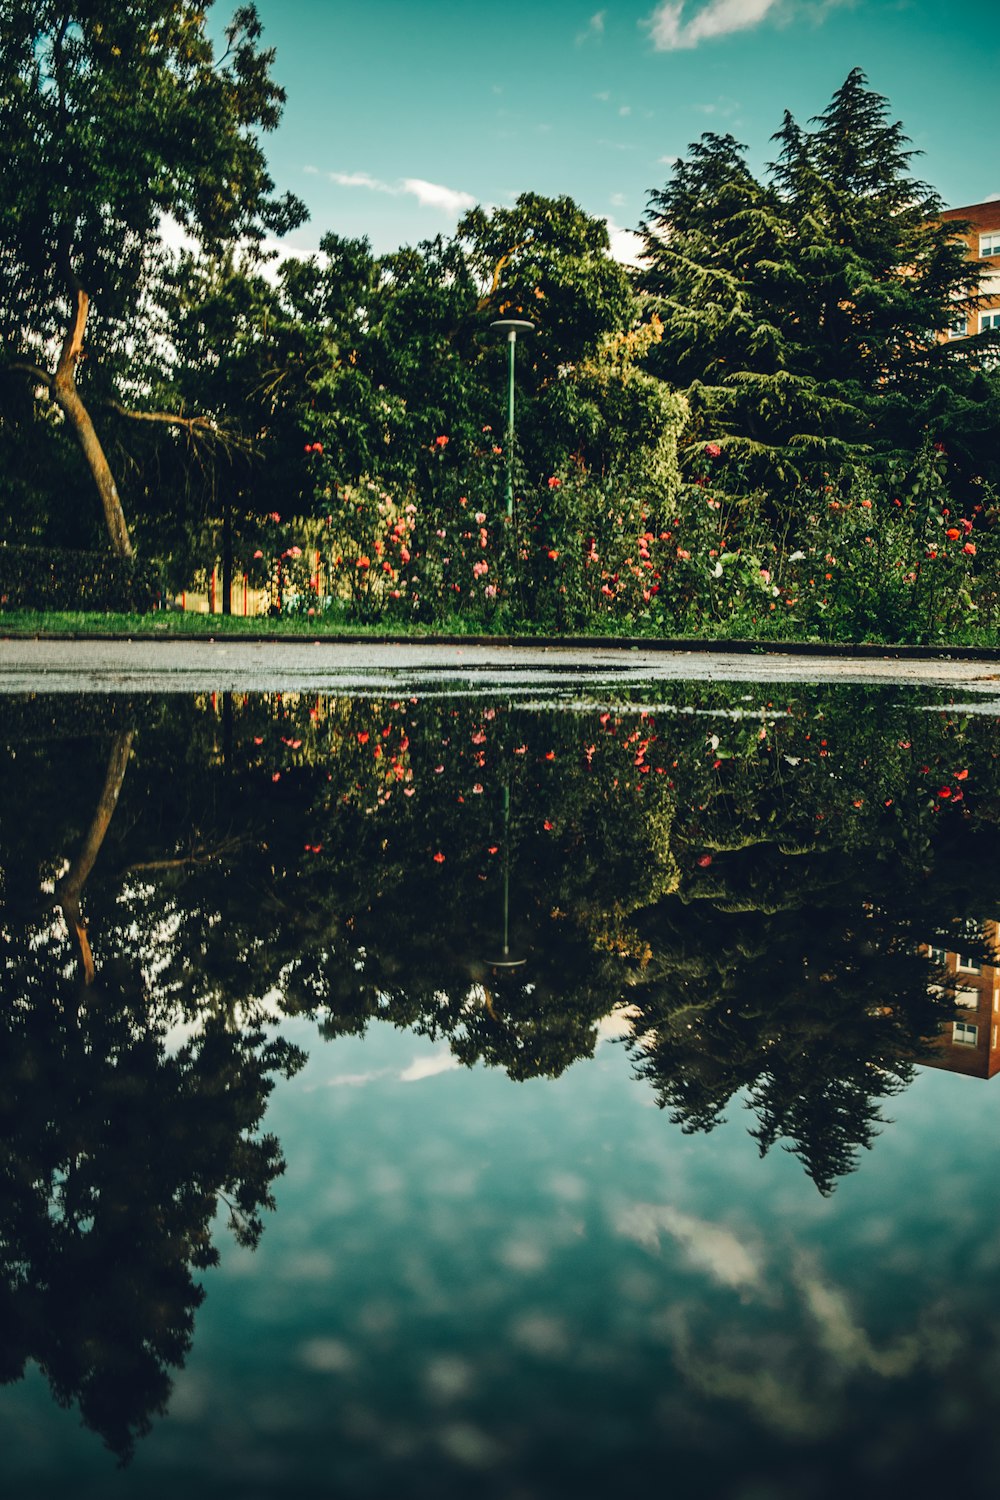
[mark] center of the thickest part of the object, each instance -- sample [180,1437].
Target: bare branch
[35,371]
[197,428]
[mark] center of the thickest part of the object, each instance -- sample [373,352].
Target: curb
[724,647]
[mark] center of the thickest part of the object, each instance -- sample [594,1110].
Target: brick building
[970,1042]
[983,242]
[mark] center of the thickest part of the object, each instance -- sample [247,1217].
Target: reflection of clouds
[448,1377]
[541,1334]
[617,1023]
[522,1254]
[429,1067]
[470,1445]
[794,1378]
[326,1356]
[841,1336]
[567,1186]
[420,1068]
[774,1397]
[710,1247]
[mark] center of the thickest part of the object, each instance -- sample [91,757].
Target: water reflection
[742,887]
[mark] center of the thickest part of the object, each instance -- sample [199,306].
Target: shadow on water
[743,895]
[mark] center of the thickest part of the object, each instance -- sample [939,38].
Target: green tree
[113,114]
[801,312]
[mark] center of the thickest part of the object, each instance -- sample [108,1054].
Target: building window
[959,328]
[989,243]
[969,964]
[938,956]
[989,320]
[967,999]
[962,1032]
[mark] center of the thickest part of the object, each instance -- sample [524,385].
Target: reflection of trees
[754,886]
[70,886]
[116,1151]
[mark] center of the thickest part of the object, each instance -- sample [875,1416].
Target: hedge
[54,578]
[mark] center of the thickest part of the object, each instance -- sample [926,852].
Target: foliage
[801,313]
[113,115]
[54,578]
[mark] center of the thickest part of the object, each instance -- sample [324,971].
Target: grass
[191,626]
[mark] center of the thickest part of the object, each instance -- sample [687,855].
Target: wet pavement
[54,666]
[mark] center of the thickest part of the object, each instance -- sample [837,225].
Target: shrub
[52,578]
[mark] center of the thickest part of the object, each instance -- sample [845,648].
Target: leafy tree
[801,312]
[112,114]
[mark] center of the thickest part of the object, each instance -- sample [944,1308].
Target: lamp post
[506,961]
[510,328]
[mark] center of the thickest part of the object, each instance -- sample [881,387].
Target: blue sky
[401,112]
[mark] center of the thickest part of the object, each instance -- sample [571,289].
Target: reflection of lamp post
[506,962]
[511,327]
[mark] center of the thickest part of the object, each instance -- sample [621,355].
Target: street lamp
[510,328]
[506,961]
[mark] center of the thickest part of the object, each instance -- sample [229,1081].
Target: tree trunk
[67,398]
[70,888]
[227,554]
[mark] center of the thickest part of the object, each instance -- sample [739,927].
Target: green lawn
[190,626]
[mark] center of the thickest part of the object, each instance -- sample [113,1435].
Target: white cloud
[361,179]
[604,96]
[626,109]
[593,29]
[626,245]
[433,195]
[672,28]
[428,194]
[617,200]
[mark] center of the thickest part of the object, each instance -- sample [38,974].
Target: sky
[403,113]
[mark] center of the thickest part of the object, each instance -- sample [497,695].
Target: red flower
[554,483]
[953,533]
[970,548]
[712,450]
[441,442]
[703,861]
[945,792]
[961,775]
[364,562]
[548,826]
[362,736]
[439,858]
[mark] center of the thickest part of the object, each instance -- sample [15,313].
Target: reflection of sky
[476,1286]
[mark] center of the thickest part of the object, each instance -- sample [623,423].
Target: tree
[802,311]
[113,114]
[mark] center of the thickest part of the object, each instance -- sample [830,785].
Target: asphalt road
[52,666]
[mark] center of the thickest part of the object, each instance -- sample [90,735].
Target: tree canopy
[113,115]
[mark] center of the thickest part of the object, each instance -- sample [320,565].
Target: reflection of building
[983,243]
[970,1042]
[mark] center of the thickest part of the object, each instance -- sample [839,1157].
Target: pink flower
[480,517]
[970,548]
[712,450]
[683,553]
[258,553]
